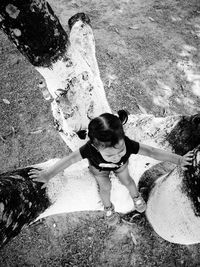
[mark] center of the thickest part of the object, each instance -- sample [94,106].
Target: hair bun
[82,134]
[123,115]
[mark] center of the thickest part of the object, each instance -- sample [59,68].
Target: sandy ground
[148,55]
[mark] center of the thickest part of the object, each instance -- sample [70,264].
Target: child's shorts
[105,173]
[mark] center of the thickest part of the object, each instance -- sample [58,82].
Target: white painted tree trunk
[67,63]
[171,212]
[170,208]
[77,74]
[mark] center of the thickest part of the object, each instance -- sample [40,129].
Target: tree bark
[21,202]
[173,206]
[35,30]
[68,64]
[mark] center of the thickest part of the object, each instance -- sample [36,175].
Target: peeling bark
[75,84]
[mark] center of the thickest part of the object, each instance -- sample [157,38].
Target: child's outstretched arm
[163,155]
[42,175]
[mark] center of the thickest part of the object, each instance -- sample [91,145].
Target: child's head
[107,130]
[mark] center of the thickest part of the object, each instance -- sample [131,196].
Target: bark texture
[35,30]
[173,198]
[183,137]
[68,65]
[21,201]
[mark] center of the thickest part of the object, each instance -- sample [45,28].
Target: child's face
[114,154]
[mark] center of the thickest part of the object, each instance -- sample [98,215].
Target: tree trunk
[68,65]
[173,206]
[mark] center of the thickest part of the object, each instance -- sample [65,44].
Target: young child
[109,149]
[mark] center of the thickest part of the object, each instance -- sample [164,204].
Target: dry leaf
[6,101]
[143,110]
[109,83]
[116,30]
[133,27]
[151,19]
[37,131]
[133,238]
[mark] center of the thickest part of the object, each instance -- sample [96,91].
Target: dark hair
[106,130]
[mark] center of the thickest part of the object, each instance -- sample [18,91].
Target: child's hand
[186,160]
[39,175]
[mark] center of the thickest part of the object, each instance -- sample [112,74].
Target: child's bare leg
[103,180]
[125,179]
[104,189]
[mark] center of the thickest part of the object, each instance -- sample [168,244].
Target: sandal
[111,216]
[139,203]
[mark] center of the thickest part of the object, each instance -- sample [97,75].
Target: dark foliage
[21,201]
[186,134]
[191,182]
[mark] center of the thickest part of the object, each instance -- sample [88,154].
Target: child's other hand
[186,160]
[39,175]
